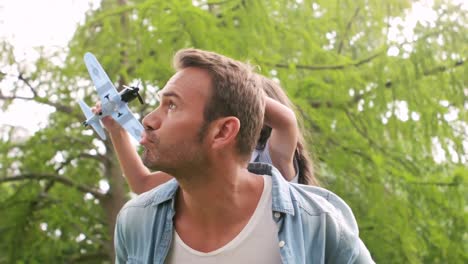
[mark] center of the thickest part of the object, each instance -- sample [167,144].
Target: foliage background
[384,114]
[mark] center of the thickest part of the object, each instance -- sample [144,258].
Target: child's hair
[301,155]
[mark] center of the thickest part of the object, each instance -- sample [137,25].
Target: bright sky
[31,23]
[41,22]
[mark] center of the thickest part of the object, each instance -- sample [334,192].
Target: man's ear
[225,131]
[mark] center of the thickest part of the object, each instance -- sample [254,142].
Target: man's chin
[148,162]
[152,164]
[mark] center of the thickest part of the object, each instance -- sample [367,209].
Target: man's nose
[152,121]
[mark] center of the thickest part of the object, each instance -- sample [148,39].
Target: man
[216,210]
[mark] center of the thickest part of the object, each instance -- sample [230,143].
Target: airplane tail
[95,123]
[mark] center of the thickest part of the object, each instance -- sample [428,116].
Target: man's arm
[138,176]
[121,255]
[343,242]
[283,140]
[350,249]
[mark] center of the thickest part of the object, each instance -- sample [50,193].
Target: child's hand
[109,123]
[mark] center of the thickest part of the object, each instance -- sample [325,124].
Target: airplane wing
[104,86]
[128,121]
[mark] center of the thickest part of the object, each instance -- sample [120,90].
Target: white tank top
[256,243]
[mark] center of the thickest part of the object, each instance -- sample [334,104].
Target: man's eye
[172,106]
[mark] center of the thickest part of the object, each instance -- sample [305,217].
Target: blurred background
[381,87]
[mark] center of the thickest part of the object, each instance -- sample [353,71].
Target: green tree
[385,113]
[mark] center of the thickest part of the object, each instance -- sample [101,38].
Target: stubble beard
[174,157]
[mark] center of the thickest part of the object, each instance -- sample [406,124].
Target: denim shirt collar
[280,189]
[167,192]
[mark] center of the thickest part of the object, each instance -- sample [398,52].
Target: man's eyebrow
[162,94]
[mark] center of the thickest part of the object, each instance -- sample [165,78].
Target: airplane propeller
[132,92]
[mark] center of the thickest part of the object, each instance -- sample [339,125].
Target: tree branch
[348,28]
[433,71]
[53,177]
[99,158]
[306,117]
[440,184]
[57,106]
[329,67]
[320,104]
[408,165]
[92,257]
[36,97]
[3,97]
[26,81]
[442,68]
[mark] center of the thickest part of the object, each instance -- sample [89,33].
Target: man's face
[172,131]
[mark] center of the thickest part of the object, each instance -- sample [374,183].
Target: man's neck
[217,207]
[216,191]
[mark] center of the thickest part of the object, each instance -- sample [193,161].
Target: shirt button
[277,215]
[281,244]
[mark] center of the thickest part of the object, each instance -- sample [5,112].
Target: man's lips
[147,139]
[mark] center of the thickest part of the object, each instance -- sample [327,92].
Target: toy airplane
[113,103]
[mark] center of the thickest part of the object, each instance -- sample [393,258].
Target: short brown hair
[235,93]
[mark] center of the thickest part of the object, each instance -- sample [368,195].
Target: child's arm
[283,140]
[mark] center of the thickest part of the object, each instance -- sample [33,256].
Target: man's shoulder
[341,229]
[159,194]
[312,200]
[317,201]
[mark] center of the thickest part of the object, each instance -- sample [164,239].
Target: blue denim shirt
[314,225]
